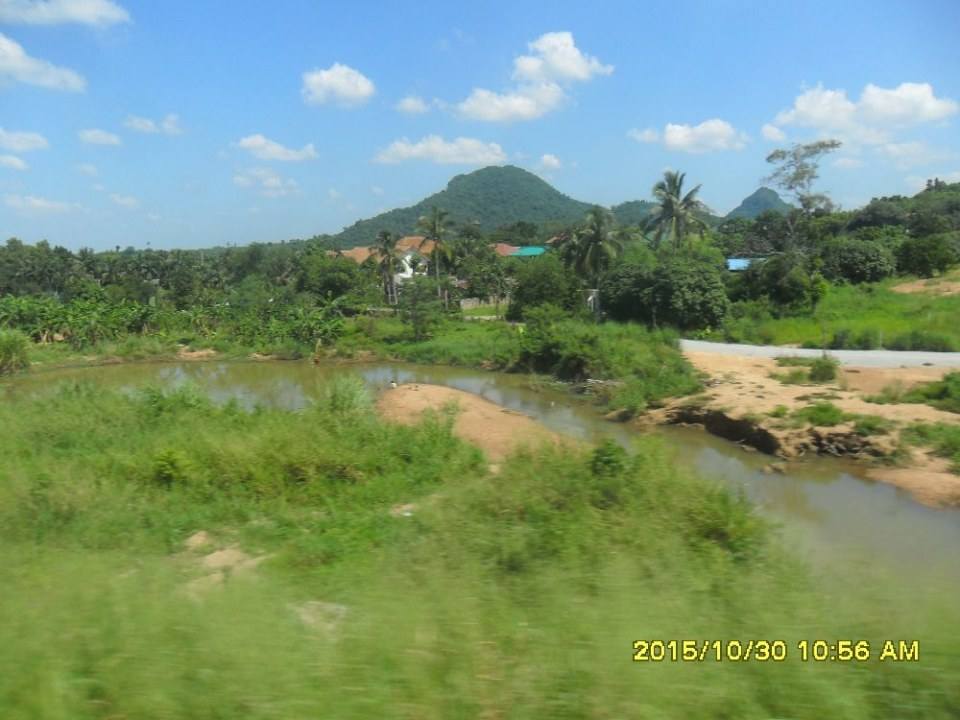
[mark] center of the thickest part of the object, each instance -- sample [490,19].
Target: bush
[13,351]
[856,261]
[926,256]
[823,414]
[943,394]
[920,340]
[540,281]
[824,369]
[553,345]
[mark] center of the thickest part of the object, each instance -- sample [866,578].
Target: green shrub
[824,369]
[14,355]
[823,414]
[943,394]
[856,261]
[923,340]
[926,256]
[871,425]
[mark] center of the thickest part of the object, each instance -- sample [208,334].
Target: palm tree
[676,213]
[595,245]
[388,260]
[434,229]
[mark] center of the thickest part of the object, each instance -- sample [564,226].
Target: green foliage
[786,281]
[824,369]
[821,414]
[420,308]
[856,261]
[943,394]
[543,280]
[760,201]
[866,425]
[553,345]
[927,256]
[14,355]
[944,438]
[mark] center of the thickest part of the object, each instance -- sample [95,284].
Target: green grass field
[511,596]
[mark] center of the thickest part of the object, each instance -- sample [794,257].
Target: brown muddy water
[843,524]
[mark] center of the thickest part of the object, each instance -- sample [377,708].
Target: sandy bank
[496,430]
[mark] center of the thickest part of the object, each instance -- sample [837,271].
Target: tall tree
[388,262]
[594,245]
[434,228]
[676,214]
[795,173]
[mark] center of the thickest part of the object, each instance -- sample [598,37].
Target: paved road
[856,358]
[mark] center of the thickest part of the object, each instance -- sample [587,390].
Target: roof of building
[529,251]
[737,264]
[505,249]
[405,245]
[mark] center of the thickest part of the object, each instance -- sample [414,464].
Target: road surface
[854,358]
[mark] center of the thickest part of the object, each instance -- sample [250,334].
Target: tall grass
[516,595]
[13,351]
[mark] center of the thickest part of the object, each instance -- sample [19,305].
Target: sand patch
[496,430]
[928,479]
[947,285]
[185,353]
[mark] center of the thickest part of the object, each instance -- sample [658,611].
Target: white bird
[393,384]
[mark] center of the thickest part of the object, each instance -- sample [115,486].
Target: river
[827,511]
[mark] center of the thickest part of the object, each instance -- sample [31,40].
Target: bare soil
[496,430]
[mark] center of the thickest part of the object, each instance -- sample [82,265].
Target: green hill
[762,200]
[492,196]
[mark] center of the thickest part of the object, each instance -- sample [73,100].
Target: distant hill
[492,196]
[632,212]
[762,200]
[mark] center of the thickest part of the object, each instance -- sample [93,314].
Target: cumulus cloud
[55,12]
[376,190]
[12,162]
[412,105]
[709,136]
[873,117]
[339,84]
[22,141]
[847,163]
[526,103]
[550,162]
[556,58]
[170,125]
[266,181]
[126,201]
[93,136]
[34,204]
[264,148]
[460,151]
[541,77]
[648,135]
[17,66]
[772,132]
[88,169]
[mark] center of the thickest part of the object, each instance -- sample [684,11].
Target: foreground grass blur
[516,595]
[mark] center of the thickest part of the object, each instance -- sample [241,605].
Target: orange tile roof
[505,249]
[406,244]
[357,254]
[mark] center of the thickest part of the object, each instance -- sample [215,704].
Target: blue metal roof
[529,251]
[738,264]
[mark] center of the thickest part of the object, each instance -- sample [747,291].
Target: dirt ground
[742,386]
[496,430]
[946,285]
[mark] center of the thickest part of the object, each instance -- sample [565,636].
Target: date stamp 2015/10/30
[775,651]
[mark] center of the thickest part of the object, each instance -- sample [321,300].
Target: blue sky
[188,124]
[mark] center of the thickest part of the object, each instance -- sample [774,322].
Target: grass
[942,437]
[807,370]
[826,414]
[14,354]
[859,317]
[943,394]
[517,596]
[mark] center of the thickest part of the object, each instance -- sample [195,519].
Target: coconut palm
[434,228]
[387,263]
[676,214]
[595,244]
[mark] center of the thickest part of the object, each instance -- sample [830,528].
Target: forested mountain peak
[760,201]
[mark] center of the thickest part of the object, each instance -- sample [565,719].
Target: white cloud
[334,194]
[709,136]
[266,149]
[170,125]
[555,62]
[266,181]
[460,151]
[154,217]
[847,163]
[412,105]
[906,104]
[17,66]
[526,103]
[12,162]
[376,190]
[94,136]
[772,132]
[22,141]
[550,162]
[126,201]
[645,136]
[917,183]
[555,57]
[872,118]
[88,169]
[55,12]
[339,84]
[909,154]
[34,204]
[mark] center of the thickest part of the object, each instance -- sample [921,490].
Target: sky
[191,124]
